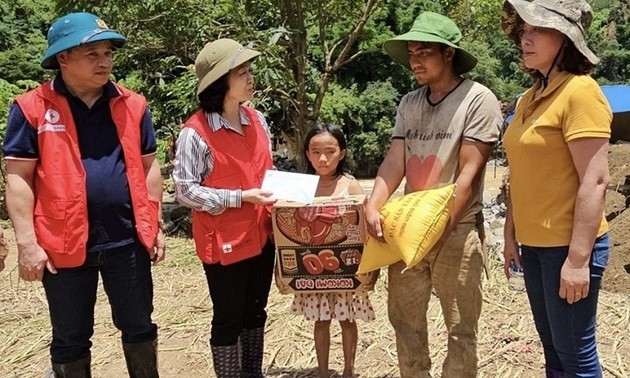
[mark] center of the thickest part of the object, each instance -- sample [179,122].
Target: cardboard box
[319,246]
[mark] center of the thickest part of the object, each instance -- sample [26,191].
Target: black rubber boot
[252,343]
[141,359]
[75,369]
[553,373]
[225,361]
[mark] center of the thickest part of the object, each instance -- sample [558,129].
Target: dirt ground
[617,276]
[508,344]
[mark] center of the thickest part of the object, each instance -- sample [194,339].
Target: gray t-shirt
[433,135]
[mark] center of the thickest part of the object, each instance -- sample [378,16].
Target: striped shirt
[194,163]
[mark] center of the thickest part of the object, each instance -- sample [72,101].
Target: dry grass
[508,345]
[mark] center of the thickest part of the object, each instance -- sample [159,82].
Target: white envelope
[290,186]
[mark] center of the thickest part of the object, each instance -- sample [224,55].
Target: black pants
[239,295]
[71,293]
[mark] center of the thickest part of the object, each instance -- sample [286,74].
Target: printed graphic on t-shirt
[433,135]
[428,135]
[423,172]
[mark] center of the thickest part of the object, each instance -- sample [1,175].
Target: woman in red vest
[223,152]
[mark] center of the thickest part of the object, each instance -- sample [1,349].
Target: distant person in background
[4,249]
[83,192]
[557,150]
[325,153]
[445,132]
[223,152]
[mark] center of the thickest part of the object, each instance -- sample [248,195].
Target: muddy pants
[454,272]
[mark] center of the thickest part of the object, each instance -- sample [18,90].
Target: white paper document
[290,186]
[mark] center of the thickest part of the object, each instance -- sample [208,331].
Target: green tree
[366,115]
[609,37]
[321,37]
[321,60]
[23,27]
[164,37]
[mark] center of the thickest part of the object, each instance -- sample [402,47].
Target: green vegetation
[321,59]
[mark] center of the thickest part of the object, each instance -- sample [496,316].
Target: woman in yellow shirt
[557,145]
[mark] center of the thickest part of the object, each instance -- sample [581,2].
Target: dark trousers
[71,293]
[239,295]
[567,331]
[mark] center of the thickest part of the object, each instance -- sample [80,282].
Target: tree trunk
[293,16]
[305,113]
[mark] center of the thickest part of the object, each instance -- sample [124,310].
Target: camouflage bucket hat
[570,17]
[431,27]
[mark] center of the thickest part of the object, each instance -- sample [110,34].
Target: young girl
[325,151]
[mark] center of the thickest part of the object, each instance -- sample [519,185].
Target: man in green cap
[444,134]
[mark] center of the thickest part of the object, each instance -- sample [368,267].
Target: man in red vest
[83,193]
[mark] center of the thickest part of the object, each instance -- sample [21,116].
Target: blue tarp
[618,97]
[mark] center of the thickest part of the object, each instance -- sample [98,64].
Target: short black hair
[336,133]
[212,98]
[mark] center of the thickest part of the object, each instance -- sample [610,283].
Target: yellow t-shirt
[543,179]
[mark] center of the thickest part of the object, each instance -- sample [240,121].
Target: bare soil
[508,345]
[617,275]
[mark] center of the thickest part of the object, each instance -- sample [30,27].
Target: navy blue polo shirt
[110,215]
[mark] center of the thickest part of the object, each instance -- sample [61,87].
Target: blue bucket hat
[76,29]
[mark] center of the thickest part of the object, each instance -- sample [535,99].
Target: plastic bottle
[516,281]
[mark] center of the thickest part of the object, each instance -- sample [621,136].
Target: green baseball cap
[570,17]
[76,29]
[431,27]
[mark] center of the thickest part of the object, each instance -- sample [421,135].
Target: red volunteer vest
[240,162]
[60,214]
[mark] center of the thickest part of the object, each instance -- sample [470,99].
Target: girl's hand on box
[282,287]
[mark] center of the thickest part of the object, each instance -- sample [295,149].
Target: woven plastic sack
[411,225]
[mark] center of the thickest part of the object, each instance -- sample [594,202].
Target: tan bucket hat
[570,17]
[217,58]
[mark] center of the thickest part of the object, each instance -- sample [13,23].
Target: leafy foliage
[321,60]
[23,27]
[8,92]
[365,115]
